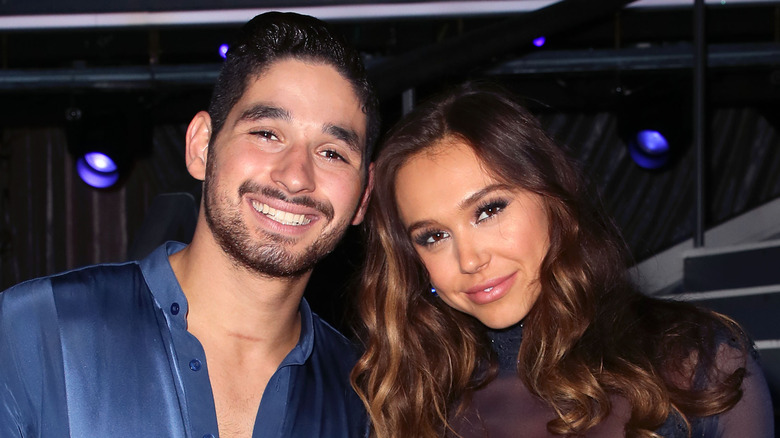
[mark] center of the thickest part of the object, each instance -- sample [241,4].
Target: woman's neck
[506,343]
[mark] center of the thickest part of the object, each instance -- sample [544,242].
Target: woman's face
[481,240]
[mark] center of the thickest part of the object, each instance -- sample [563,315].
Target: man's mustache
[306,201]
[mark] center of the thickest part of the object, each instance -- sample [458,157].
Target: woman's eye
[490,210]
[428,239]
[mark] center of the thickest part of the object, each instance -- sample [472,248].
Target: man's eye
[267,135]
[332,155]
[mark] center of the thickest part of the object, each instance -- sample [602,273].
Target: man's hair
[275,36]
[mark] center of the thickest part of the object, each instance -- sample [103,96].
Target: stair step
[756,308]
[741,266]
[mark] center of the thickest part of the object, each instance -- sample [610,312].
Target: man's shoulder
[86,278]
[78,274]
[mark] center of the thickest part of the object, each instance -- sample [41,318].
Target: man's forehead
[268,91]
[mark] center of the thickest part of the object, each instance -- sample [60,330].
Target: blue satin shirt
[104,351]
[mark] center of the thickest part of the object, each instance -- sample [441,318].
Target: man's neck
[246,311]
[247,324]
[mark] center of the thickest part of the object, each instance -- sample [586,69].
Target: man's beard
[266,253]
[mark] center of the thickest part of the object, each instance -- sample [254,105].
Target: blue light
[539,42]
[100,162]
[652,142]
[649,149]
[223,49]
[90,174]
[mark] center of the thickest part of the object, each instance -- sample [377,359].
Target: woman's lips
[492,290]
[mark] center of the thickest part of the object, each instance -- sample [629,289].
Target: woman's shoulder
[715,369]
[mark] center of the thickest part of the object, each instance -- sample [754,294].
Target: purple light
[100,162]
[649,149]
[652,142]
[539,42]
[223,49]
[94,177]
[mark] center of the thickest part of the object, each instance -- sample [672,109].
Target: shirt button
[195,365]
[175,308]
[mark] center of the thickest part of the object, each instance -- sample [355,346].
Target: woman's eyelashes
[489,209]
[485,211]
[430,237]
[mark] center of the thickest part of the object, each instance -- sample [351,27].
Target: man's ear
[361,211]
[197,144]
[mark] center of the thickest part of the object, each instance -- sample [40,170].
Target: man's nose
[294,170]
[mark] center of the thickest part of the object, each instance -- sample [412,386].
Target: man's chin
[277,261]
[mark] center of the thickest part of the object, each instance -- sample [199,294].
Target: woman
[495,300]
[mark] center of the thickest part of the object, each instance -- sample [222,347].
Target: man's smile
[282,217]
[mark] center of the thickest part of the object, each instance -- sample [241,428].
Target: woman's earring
[433,291]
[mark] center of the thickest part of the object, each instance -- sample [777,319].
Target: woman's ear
[197,144]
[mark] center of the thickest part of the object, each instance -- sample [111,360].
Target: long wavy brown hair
[589,335]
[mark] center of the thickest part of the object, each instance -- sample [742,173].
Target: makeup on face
[481,240]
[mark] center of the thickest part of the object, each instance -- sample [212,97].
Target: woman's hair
[588,336]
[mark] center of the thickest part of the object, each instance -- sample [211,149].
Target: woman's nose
[472,257]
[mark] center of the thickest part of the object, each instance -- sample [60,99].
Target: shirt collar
[166,291]
[163,285]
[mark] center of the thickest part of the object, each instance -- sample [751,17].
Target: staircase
[743,282]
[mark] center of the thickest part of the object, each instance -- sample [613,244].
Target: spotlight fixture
[655,125]
[97,169]
[649,149]
[104,141]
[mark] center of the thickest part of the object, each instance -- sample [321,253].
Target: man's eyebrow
[348,136]
[263,111]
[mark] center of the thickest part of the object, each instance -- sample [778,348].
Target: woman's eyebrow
[419,224]
[479,194]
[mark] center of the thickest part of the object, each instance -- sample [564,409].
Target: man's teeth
[283,217]
[489,289]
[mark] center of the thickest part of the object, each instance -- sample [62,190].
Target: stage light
[106,138]
[223,49]
[100,162]
[654,123]
[100,150]
[97,170]
[539,42]
[649,149]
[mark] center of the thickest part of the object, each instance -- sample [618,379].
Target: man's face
[284,175]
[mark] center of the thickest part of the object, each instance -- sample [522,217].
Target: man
[215,339]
